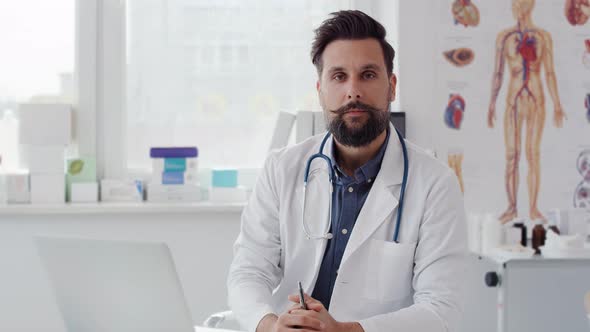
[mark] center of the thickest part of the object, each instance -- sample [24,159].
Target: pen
[301,298]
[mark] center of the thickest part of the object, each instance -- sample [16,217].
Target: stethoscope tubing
[327,235]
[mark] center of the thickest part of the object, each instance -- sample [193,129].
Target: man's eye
[369,75]
[339,77]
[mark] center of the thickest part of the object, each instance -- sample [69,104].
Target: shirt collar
[367,171]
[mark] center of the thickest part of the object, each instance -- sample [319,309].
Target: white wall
[417,68]
[200,241]
[410,30]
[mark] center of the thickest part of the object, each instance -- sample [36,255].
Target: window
[37,62]
[215,74]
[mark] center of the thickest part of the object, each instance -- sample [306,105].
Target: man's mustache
[357,105]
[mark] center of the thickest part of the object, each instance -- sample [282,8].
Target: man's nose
[354,92]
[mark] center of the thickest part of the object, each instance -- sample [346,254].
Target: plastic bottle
[539,234]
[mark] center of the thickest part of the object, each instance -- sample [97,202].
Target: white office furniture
[536,294]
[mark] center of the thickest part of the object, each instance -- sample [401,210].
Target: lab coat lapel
[381,200]
[313,206]
[315,247]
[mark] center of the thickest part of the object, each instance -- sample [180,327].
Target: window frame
[101,83]
[100,77]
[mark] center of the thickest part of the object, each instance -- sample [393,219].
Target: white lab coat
[414,285]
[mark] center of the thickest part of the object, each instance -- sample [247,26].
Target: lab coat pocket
[389,270]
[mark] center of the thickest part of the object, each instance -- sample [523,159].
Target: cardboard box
[79,170]
[48,188]
[18,189]
[45,124]
[228,195]
[121,190]
[84,192]
[224,178]
[158,193]
[43,159]
[175,178]
[189,165]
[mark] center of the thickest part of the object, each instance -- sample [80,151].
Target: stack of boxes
[81,185]
[45,131]
[174,175]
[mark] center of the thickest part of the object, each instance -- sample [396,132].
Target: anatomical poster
[513,103]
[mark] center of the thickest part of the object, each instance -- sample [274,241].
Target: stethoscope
[326,234]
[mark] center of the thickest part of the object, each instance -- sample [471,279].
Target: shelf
[123,207]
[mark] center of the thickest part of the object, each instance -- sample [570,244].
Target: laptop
[105,286]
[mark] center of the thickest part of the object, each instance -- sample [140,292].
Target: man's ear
[317,86]
[392,84]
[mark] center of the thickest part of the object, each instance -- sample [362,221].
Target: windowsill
[122,207]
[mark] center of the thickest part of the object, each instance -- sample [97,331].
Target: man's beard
[375,124]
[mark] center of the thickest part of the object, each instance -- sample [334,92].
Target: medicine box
[228,195]
[224,178]
[175,178]
[48,188]
[45,159]
[121,190]
[45,124]
[80,170]
[17,187]
[158,193]
[174,152]
[84,192]
[189,165]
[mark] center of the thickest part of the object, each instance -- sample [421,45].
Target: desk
[534,294]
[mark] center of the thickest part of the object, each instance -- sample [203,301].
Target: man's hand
[316,311]
[288,322]
[267,323]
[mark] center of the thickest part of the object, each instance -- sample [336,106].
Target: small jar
[539,234]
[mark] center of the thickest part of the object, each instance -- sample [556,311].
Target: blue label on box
[173,178]
[174,164]
[224,178]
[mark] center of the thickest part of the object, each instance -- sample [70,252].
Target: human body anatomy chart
[526,124]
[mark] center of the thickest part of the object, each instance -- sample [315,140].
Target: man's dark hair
[350,25]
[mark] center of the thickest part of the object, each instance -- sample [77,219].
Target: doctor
[361,270]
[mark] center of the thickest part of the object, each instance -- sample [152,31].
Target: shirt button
[350,189]
[344,231]
[369,180]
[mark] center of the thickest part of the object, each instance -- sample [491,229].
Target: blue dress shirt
[348,198]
